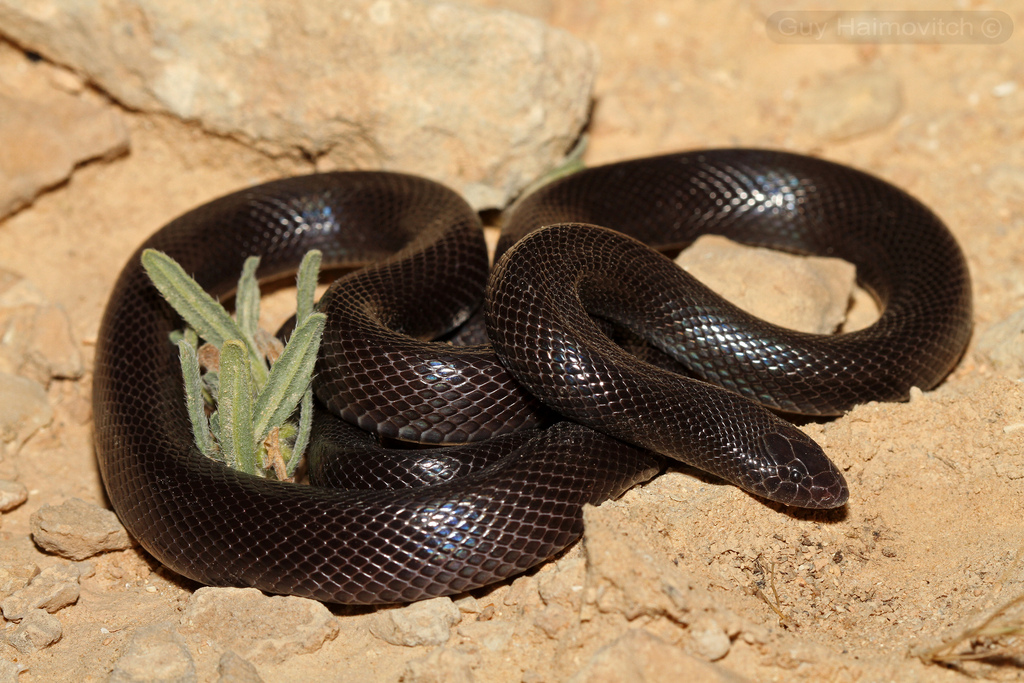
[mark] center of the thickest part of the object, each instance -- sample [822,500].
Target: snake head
[795,471]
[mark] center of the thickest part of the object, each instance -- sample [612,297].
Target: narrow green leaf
[198,308]
[235,407]
[309,274]
[194,398]
[215,428]
[289,377]
[211,382]
[305,427]
[247,299]
[188,334]
[247,314]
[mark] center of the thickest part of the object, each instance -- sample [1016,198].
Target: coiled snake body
[556,275]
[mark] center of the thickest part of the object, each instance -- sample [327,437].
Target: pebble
[260,628]
[37,630]
[9,671]
[52,589]
[709,639]
[15,575]
[12,494]
[157,654]
[428,622]
[234,669]
[493,635]
[76,529]
[444,665]
[639,656]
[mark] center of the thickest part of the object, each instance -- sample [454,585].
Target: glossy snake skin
[520,503]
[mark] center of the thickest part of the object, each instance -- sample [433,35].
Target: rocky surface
[48,128]
[681,578]
[483,101]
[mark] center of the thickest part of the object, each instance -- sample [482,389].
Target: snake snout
[829,490]
[803,475]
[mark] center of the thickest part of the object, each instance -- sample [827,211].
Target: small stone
[639,656]
[52,589]
[422,623]
[1004,89]
[37,630]
[809,294]
[554,619]
[9,671]
[467,604]
[444,665]
[493,635]
[24,409]
[564,584]
[15,575]
[709,639]
[234,669]
[76,529]
[157,654]
[259,628]
[12,494]
[852,103]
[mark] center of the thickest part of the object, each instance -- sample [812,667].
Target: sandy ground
[931,538]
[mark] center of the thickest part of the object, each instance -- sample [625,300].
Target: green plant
[242,407]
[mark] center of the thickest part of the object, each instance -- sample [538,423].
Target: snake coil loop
[427,272]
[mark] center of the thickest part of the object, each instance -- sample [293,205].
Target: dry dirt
[934,530]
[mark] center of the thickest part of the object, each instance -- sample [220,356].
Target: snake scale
[560,284]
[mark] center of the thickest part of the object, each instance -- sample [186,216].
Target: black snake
[559,289]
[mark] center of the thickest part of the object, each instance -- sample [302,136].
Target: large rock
[805,293]
[482,100]
[46,130]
